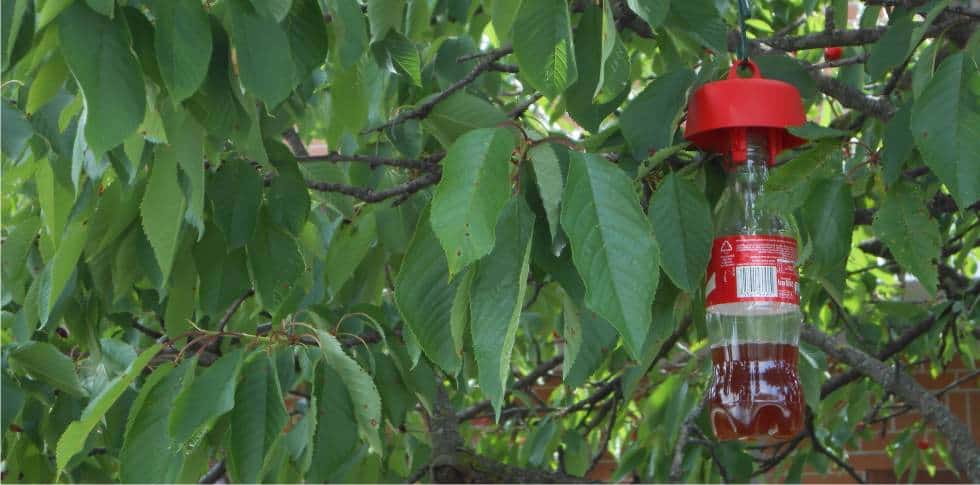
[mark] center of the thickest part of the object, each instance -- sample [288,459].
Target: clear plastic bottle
[753,315]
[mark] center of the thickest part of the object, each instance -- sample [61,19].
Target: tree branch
[214,473]
[370,195]
[966,453]
[424,163]
[488,62]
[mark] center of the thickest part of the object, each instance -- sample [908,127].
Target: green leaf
[424,296]
[459,114]
[73,439]
[235,191]
[49,11]
[612,246]
[349,31]
[898,144]
[475,186]
[502,15]
[578,455]
[223,273]
[13,399]
[48,81]
[681,219]
[104,7]
[263,53]
[257,419]
[459,314]
[288,197]
[162,209]
[335,438]
[403,56]
[588,340]
[545,50]
[828,217]
[946,128]
[182,41]
[186,137]
[147,453]
[892,48]
[813,364]
[615,74]
[307,36]
[788,69]
[700,19]
[182,294]
[546,161]
[275,264]
[588,60]
[97,49]
[44,362]
[17,131]
[654,12]
[496,299]
[384,16]
[277,9]
[62,265]
[205,398]
[789,184]
[364,395]
[649,122]
[349,246]
[904,225]
[813,132]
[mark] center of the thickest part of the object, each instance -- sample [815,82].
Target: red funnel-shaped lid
[719,113]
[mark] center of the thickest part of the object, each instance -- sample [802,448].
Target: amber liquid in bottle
[756,392]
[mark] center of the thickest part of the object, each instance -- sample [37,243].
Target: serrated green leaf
[789,184]
[502,15]
[97,49]
[205,398]
[892,48]
[649,122]
[147,453]
[546,161]
[459,114]
[828,217]
[384,16]
[654,12]
[364,395]
[681,220]
[475,186]
[424,296]
[186,137]
[182,295]
[73,439]
[700,19]
[403,56]
[349,31]
[17,131]
[496,299]
[307,36]
[275,263]
[348,247]
[946,127]
[335,438]
[277,9]
[904,225]
[898,144]
[62,265]
[788,69]
[223,273]
[44,362]
[235,191]
[48,81]
[612,246]
[162,209]
[257,419]
[263,53]
[287,197]
[182,41]
[614,77]
[588,340]
[545,51]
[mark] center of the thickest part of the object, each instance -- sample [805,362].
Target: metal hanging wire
[744,12]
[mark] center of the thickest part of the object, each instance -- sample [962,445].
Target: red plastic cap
[719,112]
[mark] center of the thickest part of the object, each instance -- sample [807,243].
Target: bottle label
[752,268]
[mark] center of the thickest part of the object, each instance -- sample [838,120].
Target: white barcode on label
[753,281]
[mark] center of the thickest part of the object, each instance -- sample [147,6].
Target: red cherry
[923,444]
[832,53]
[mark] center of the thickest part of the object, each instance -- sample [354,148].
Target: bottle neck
[750,176]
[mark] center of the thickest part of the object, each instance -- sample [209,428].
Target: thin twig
[371,195]
[488,63]
[424,163]
[230,312]
[214,473]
